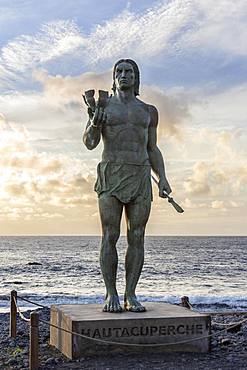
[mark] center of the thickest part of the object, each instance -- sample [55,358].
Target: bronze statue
[128,128]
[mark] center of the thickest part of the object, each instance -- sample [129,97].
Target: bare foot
[132,304]
[112,304]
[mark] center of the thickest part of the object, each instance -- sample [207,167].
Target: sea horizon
[151,235]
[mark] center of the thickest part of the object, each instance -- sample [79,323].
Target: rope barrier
[20,313]
[33,322]
[189,304]
[229,326]
[225,324]
[34,303]
[224,313]
[234,324]
[34,319]
[215,322]
[137,344]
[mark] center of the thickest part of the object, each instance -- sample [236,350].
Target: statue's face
[124,76]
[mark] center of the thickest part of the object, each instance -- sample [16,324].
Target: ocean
[211,271]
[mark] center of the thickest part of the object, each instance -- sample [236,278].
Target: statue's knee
[110,237]
[137,234]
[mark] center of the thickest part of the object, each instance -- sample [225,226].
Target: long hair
[136,72]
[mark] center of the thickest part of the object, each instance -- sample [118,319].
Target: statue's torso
[125,134]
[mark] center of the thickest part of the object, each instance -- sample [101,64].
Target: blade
[177,206]
[170,199]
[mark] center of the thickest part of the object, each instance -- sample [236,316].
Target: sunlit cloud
[31,180]
[60,90]
[225,171]
[58,109]
[173,106]
[218,204]
[47,174]
[198,182]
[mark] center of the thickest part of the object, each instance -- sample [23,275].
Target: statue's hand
[164,187]
[99,117]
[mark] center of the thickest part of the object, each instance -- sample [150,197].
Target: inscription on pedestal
[136,331]
[174,327]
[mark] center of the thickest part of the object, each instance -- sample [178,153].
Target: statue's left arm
[155,156]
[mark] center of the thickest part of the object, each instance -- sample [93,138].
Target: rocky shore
[229,351]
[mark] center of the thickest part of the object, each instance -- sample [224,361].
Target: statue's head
[125,75]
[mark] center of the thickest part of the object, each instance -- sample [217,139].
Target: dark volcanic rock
[235,329]
[225,341]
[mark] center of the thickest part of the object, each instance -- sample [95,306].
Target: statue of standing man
[128,128]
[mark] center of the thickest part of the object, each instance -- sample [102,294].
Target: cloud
[127,33]
[53,40]
[218,27]
[67,89]
[31,180]
[141,35]
[173,106]
[169,28]
[173,28]
[224,173]
[189,204]
[3,120]
[218,204]
[210,179]
[165,38]
[198,182]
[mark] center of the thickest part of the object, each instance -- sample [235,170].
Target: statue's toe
[138,308]
[134,306]
[118,308]
[112,305]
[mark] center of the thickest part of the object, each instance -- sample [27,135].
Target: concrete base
[162,323]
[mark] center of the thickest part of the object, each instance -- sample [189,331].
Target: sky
[192,56]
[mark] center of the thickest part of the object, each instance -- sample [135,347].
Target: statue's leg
[110,213]
[137,215]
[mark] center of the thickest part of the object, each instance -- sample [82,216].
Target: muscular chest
[120,116]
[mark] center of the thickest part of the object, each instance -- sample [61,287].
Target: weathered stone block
[168,325]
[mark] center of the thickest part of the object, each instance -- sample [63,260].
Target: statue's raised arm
[96,118]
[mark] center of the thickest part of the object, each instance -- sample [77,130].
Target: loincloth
[126,182]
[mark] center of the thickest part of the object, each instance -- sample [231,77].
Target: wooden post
[13,314]
[185,302]
[34,341]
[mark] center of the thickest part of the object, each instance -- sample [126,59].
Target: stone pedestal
[162,323]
